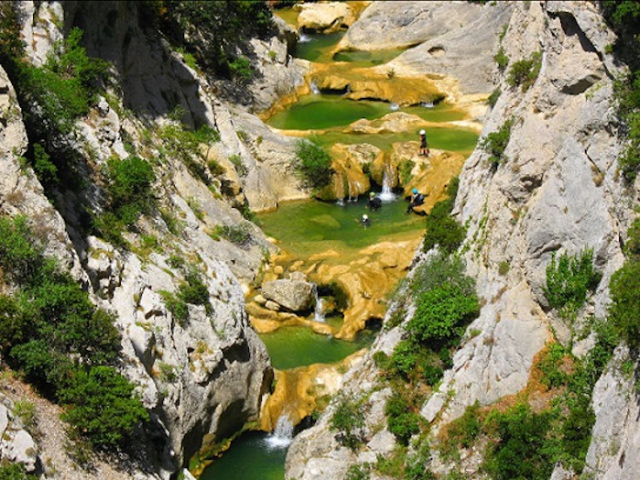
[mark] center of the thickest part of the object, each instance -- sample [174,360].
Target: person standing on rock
[424,147]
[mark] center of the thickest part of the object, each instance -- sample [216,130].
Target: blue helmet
[415,190]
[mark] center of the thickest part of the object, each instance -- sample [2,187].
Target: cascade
[282,435]
[427,104]
[386,195]
[314,88]
[318,313]
[394,106]
[303,38]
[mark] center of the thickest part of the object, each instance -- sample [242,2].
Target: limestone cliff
[202,379]
[555,190]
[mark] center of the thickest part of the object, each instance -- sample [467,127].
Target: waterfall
[282,435]
[386,195]
[318,313]
[314,88]
[394,106]
[427,104]
[304,38]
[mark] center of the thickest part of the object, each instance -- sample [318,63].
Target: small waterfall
[304,38]
[427,104]
[314,88]
[340,202]
[282,435]
[394,106]
[386,195]
[318,313]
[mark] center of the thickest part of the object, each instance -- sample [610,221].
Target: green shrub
[404,170]
[445,232]
[237,234]
[129,188]
[64,88]
[313,164]
[503,267]
[525,72]
[404,358]
[194,291]
[441,269]
[624,309]
[442,229]
[523,448]
[632,247]
[493,98]
[15,471]
[240,167]
[442,314]
[401,420]
[175,305]
[45,169]
[348,421]
[569,279]
[358,472]
[12,46]
[105,408]
[464,431]
[496,143]
[184,144]
[214,167]
[501,58]
[241,68]
[551,365]
[20,254]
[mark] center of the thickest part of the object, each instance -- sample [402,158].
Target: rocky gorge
[555,190]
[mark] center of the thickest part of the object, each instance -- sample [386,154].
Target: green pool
[250,457]
[311,226]
[316,47]
[322,111]
[291,347]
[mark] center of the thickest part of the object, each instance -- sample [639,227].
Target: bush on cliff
[61,342]
[313,164]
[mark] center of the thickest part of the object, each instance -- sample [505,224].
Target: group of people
[417,199]
[375,203]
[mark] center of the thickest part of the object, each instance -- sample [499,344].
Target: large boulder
[325,17]
[294,295]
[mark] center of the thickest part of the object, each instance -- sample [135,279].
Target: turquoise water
[250,457]
[362,58]
[291,347]
[320,226]
[322,111]
[316,47]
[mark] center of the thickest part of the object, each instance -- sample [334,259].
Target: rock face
[456,39]
[16,444]
[556,190]
[205,376]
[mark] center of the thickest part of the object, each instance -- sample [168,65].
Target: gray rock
[294,295]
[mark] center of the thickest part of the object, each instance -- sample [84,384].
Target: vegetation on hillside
[65,346]
[215,33]
[624,18]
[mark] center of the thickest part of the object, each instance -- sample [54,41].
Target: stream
[330,237]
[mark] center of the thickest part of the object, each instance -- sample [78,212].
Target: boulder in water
[293,295]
